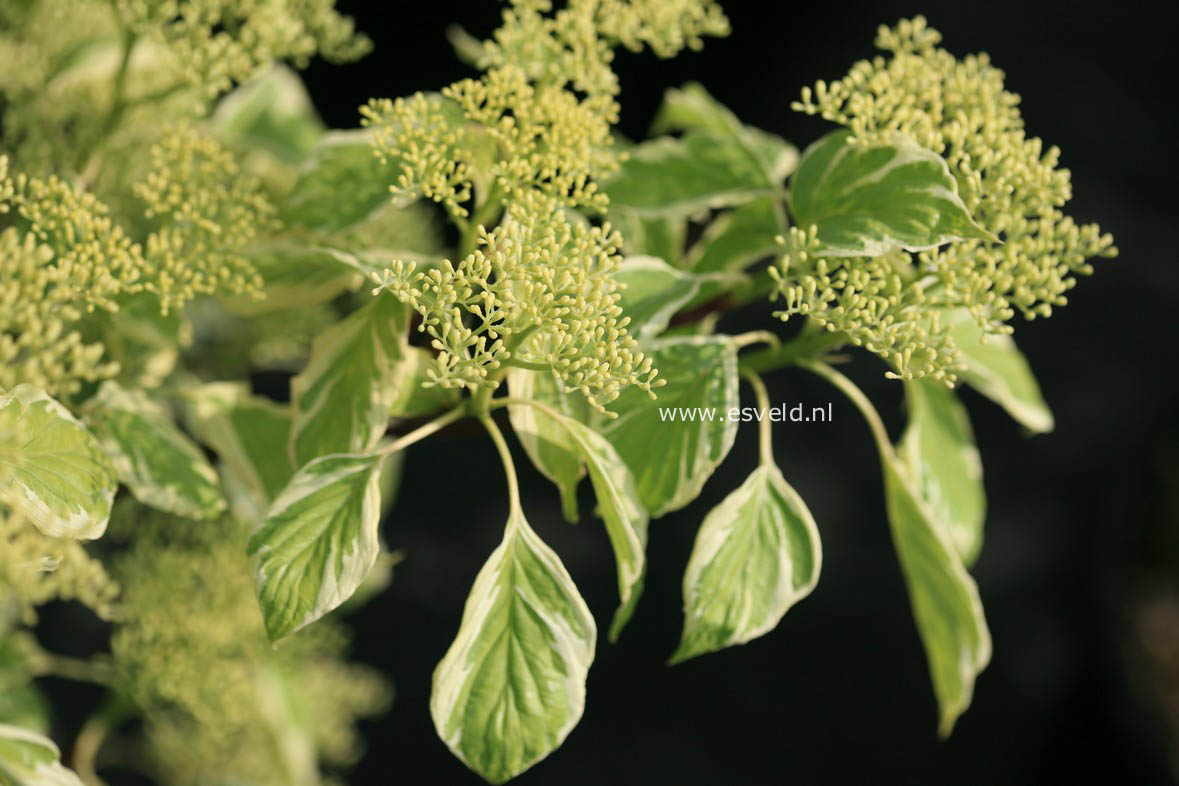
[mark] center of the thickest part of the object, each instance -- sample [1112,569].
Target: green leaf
[467,48]
[705,326]
[250,434]
[93,65]
[944,597]
[779,157]
[414,398]
[342,399]
[739,238]
[90,61]
[31,759]
[869,200]
[684,177]
[618,504]
[319,541]
[342,183]
[756,555]
[21,701]
[295,276]
[691,108]
[512,685]
[653,292]
[145,343]
[651,236]
[272,111]
[672,457]
[546,441]
[996,368]
[287,724]
[163,468]
[59,477]
[732,242]
[938,448]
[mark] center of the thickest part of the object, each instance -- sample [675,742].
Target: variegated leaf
[55,473]
[867,200]
[342,399]
[161,466]
[938,448]
[673,443]
[319,541]
[756,555]
[31,759]
[512,685]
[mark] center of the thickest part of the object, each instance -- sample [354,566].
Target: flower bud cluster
[873,300]
[535,291]
[36,569]
[532,134]
[64,259]
[191,651]
[216,43]
[206,210]
[1009,182]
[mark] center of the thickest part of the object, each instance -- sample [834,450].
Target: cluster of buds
[872,300]
[531,135]
[207,211]
[68,259]
[1009,182]
[36,568]
[190,650]
[536,291]
[215,43]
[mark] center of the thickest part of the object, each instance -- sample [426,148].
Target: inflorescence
[67,257]
[207,211]
[191,652]
[36,568]
[528,140]
[71,260]
[894,304]
[215,43]
[536,291]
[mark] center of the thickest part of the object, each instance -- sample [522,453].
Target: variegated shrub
[174,216]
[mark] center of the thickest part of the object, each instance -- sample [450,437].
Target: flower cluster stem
[809,345]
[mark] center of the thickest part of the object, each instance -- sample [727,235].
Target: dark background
[1079,572]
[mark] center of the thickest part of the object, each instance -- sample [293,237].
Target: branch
[849,389]
[809,345]
[421,432]
[505,456]
[764,427]
[43,663]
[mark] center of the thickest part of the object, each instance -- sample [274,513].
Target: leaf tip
[277,631]
[945,727]
[976,231]
[615,629]
[1040,423]
[685,651]
[569,503]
